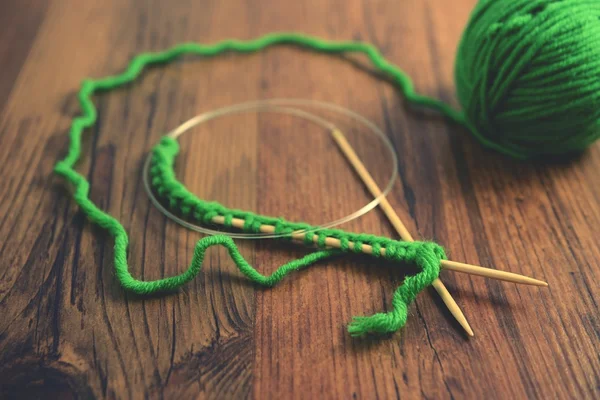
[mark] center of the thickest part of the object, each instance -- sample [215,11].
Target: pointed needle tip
[537,282]
[465,325]
[468,329]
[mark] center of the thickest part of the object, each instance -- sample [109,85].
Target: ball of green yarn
[528,75]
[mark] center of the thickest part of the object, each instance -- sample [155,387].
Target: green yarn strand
[427,256]
[173,283]
[135,68]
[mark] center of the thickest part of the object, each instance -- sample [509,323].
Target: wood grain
[68,330]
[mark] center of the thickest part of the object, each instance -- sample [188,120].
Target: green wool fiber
[528,75]
[425,255]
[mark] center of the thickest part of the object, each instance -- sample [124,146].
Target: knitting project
[425,255]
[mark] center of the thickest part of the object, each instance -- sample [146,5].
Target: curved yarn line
[423,254]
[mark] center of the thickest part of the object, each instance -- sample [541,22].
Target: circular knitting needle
[405,235]
[368,180]
[285,106]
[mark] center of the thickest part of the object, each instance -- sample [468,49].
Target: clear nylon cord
[283,106]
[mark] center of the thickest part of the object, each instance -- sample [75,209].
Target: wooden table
[68,330]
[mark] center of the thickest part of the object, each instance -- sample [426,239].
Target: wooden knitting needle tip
[395,220]
[405,235]
[335,243]
[491,273]
[452,306]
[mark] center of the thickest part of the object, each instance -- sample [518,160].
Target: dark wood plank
[69,330]
[19,24]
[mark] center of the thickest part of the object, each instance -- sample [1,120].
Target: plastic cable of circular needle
[290,107]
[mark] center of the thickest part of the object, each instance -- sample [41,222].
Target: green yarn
[425,255]
[528,75]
